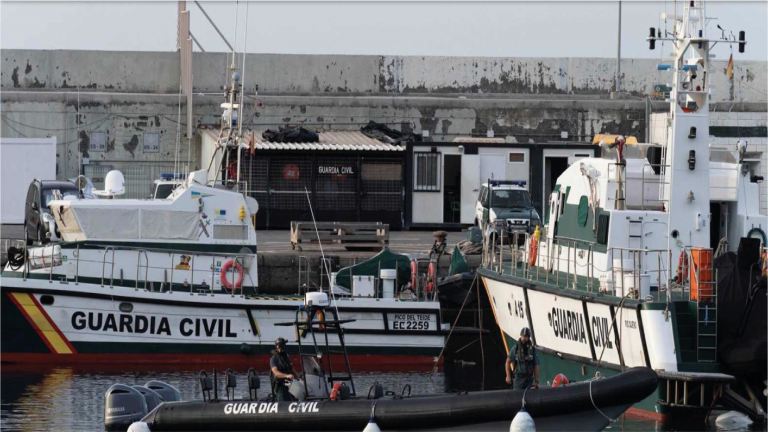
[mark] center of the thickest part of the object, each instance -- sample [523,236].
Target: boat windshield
[164,190]
[511,198]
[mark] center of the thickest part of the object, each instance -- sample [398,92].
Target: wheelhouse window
[427,172]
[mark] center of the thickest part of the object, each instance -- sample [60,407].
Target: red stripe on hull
[641,413]
[358,362]
[52,323]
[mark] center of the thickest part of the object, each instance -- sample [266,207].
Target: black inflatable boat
[589,405]
[580,406]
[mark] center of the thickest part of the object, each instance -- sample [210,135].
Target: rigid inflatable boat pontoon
[587,405]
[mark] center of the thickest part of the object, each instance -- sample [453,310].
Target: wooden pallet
[351,235]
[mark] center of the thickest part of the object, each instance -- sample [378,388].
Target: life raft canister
[560,379]
[414,274]
[240,276]
[533,247]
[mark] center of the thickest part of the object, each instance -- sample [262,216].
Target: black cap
[525,332]
[280,342]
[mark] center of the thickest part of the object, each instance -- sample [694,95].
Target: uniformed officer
[523,362]
[281,370]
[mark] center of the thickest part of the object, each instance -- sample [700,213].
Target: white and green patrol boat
[621,274]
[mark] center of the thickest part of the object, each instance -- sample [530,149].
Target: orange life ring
[533,251]
[431,277]
[240,276]
[336,389]
[682,267]
[560,380]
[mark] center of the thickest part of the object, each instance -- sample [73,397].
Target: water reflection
[43,398]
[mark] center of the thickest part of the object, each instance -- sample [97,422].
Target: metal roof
[329,140]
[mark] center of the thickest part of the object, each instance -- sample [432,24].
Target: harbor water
[72,398]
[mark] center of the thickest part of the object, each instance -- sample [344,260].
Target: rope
[322,254]
[595,405]
[480,329]
[434,367]
[613,324]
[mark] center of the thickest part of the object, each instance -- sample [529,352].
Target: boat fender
[372,426]
[733,418]
[240,275]
[560,380]
[138,427]
[523,422]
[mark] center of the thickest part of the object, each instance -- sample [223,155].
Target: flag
[250,144]
[729,69]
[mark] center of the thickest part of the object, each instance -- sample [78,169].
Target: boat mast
[686,177]
[687,183]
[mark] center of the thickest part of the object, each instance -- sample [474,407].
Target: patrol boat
[621,275]
[326,398]
[175,280]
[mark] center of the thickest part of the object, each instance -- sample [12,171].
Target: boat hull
[571,407]
[87,324]
[575,335]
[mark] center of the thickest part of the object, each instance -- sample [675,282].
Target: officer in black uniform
[281,370]
[523,362]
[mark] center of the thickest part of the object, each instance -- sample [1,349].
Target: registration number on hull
[400,321]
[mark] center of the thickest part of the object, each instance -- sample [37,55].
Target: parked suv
[507,206]
[38,221]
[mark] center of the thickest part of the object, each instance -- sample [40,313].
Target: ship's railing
[656,183]
[107,263]
[640,265]
[570,263]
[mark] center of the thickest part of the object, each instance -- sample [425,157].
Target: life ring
[240,276]
[682,267]
[533,251]
[760,232]
[431,277]
[560,380]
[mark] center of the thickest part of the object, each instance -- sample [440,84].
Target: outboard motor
[150,396]
[168,392]
[123,405]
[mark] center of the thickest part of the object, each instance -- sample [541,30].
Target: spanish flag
[729,69]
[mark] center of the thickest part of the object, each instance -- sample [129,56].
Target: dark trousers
[522,381]
[282,394]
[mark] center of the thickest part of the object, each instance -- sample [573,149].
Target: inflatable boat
[588,406]
[325,399]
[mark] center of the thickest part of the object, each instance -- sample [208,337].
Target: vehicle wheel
[40,236]
[27,240]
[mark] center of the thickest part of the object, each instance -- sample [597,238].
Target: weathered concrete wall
[158,72]
[127,94]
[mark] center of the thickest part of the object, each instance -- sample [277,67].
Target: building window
[97,142]
[516,157]
[427,172]
[151,142]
